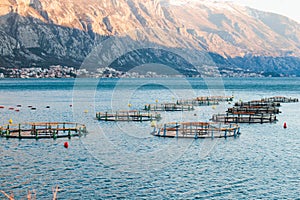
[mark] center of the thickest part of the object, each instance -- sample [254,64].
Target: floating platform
[196,130]
[128,115]
[255,109]
[168,107]
[244,117]
[43,130]
[257,103]
[280,99]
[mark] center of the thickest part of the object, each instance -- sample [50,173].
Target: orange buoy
[284,125]
[66,145]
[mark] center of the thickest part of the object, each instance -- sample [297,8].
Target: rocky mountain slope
[49,32]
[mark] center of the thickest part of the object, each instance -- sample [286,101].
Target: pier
[196,130]
[43,130]
[244,117]
[128,115]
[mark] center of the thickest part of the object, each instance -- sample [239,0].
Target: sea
[123,160]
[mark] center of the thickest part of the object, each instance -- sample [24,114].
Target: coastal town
[107,72]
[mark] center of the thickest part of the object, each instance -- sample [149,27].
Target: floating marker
[29,106]
[71,105]
[86,111]
[284,125]
[153,124]
[66,145]
[11,108]
[17,110]
[1,106]
[19,105]
[47,106]
[33,108]
[10,121]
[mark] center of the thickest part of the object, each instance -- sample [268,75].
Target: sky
[289,8]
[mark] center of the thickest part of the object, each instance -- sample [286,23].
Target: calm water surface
[122,160]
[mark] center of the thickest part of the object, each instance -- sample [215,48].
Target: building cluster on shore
[107,72]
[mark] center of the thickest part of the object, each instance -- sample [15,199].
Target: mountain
[59,32]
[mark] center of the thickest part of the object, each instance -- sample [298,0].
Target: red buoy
[284,125]
[66,145]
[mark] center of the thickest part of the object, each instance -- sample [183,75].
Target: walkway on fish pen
[215,98]
[255,109]
[168,107]
[244,117]
[43,130]
[280,99]
[196,130]
[257,103]
[128,115]
[196,102]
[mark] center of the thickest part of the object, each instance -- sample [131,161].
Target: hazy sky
[289,8]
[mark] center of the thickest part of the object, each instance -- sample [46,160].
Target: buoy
[70,105]
[11,108]
[86,111]
[284,125]
[47,106]
[1,106]
[17,110]
[153,124]
[66,145]
[213,107]
[19,105]
[10,121]
[156,100]
[29,106]
[33,108]
[129,105]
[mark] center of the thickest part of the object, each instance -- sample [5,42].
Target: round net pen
[43,130]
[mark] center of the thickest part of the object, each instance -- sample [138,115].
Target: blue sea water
[122,160]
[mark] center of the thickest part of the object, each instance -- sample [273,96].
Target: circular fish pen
[43,130]
[196,130]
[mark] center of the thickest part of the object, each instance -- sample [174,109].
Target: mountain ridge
[44,32]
